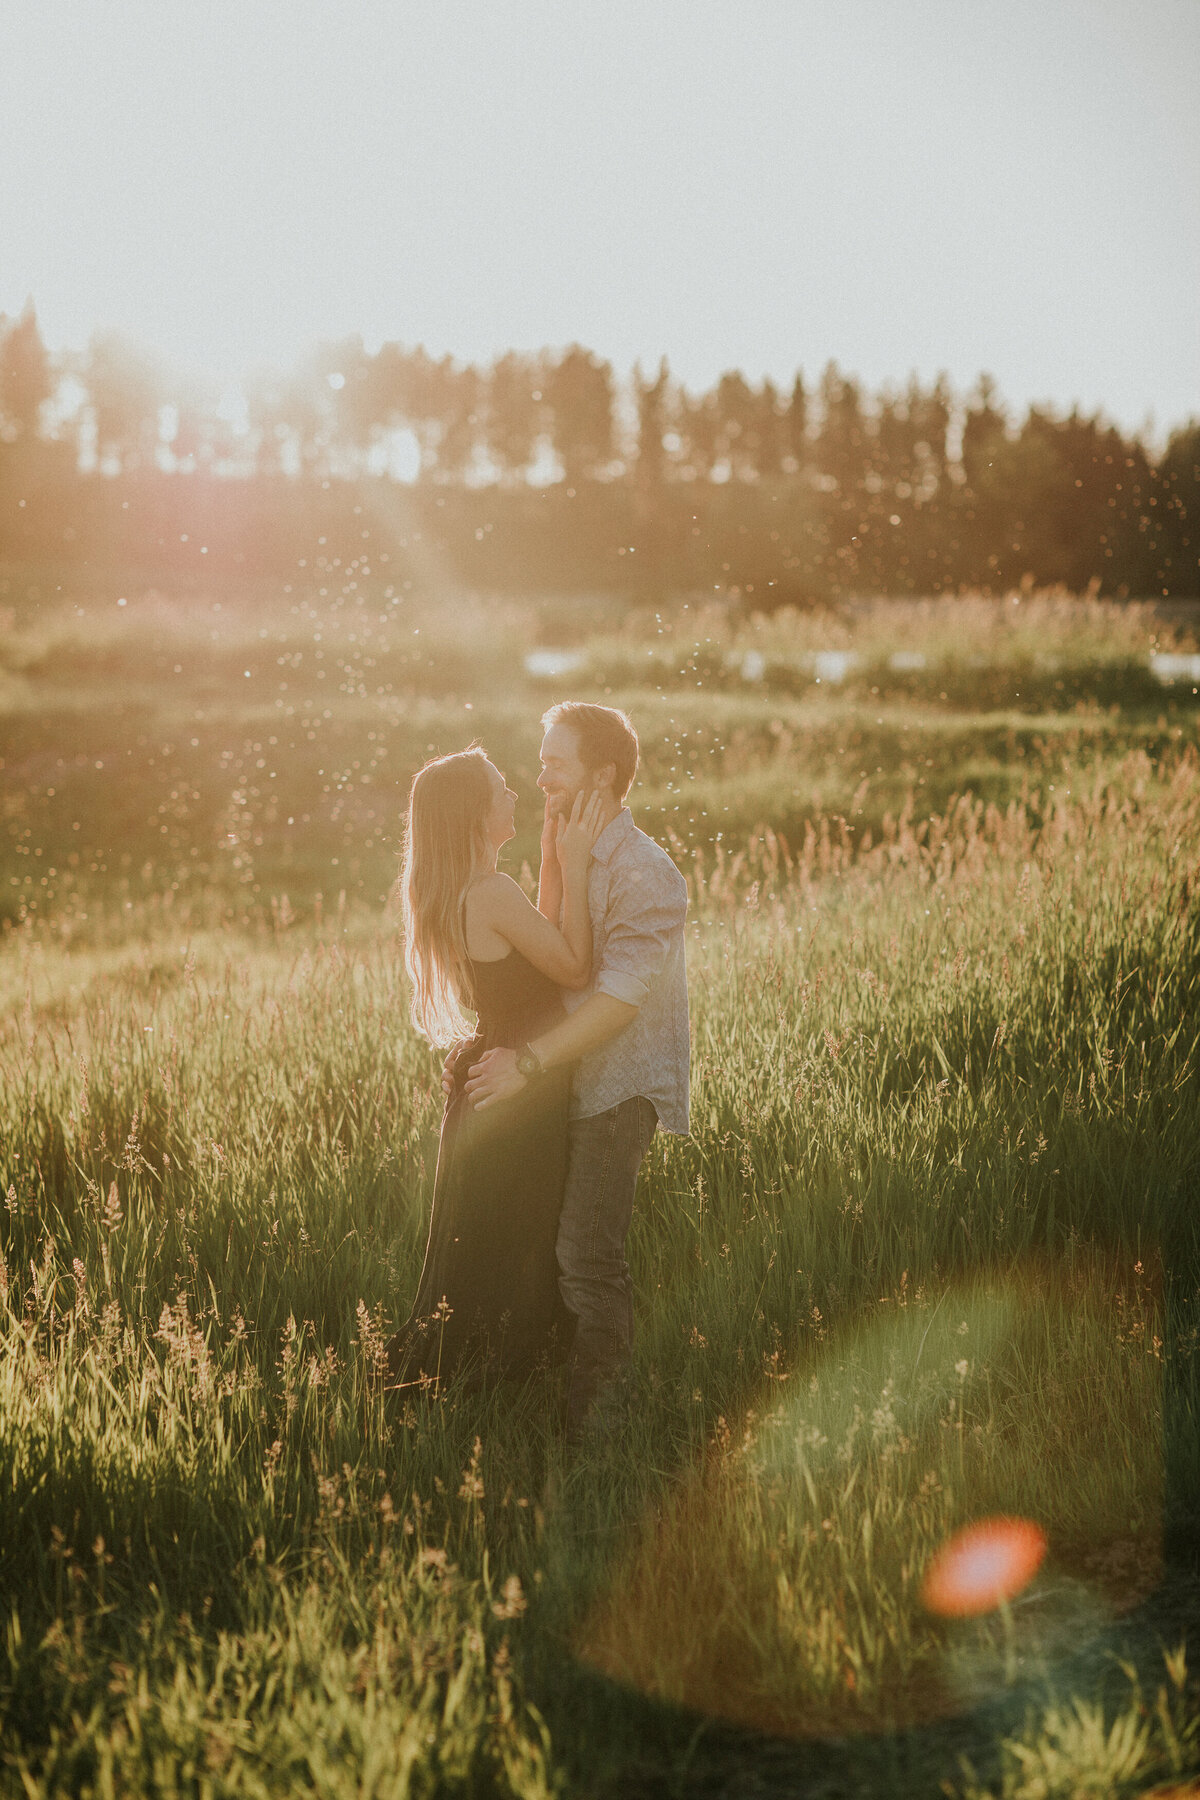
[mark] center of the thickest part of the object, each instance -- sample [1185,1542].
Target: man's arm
[496,1077]
[646,910]
[590,1025]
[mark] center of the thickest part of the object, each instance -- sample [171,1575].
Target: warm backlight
[983,1566]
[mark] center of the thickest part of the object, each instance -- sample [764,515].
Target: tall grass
[183,764]
[930,1252]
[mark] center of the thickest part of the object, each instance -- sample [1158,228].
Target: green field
[931,1253]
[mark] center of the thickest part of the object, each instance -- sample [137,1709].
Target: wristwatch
[529,1063]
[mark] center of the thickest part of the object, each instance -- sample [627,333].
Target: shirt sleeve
[646,911]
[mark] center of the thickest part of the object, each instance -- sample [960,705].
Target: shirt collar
[613,835]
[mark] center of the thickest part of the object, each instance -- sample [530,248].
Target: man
[628,1029]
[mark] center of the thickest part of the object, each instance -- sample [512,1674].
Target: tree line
[546,470]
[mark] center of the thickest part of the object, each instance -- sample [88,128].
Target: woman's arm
[499,905]
[573,842]
[550,879]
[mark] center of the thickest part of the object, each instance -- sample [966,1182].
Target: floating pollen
[982,1567]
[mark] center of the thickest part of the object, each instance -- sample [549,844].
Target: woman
[488,1292]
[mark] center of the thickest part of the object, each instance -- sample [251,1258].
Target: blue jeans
[604,1153]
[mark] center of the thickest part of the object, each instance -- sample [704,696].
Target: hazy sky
[898,184]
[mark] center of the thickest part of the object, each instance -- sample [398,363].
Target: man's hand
[494,1078]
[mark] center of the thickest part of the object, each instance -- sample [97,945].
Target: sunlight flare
[983,1567]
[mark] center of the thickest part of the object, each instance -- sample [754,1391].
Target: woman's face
[498,825]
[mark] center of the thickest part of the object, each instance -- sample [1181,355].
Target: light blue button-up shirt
[638,902]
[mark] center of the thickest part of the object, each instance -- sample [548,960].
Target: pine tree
[842,441]
[514,413]
[653,404]
[580,397]
[26,381]
[125,389]
[796,426]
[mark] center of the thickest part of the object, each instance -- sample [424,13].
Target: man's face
[563,774]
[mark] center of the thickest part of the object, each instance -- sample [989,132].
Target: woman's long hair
[445,841]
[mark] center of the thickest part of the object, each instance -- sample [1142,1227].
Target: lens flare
[982,1567]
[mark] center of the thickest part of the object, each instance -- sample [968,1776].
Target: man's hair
[605,735]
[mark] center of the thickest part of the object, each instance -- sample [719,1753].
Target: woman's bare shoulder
[493,896]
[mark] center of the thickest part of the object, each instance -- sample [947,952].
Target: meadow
[931,1252]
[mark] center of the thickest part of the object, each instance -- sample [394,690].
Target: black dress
[488,1295]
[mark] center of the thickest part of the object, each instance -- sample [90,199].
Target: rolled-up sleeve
[646,909]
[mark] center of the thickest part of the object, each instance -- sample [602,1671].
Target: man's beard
[561,804]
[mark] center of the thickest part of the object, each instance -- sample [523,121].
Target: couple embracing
[577,1053]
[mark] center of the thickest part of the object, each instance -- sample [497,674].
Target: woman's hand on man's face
[578,833]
